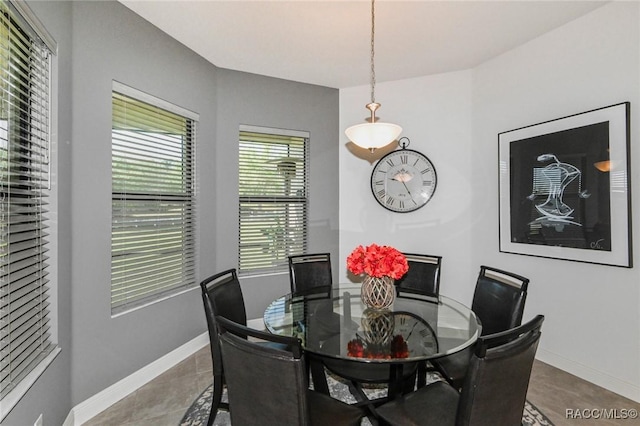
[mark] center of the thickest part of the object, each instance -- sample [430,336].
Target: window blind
[273,192]
[25,338]
[153,202]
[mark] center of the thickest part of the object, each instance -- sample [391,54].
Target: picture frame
[564,189]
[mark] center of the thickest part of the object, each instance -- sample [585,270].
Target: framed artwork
[565,188]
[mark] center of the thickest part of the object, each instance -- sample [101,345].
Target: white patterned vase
[378,293]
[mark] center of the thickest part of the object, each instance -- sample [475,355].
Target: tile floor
[163,401]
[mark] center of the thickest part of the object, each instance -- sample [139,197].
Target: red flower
[355,348]
[377,261]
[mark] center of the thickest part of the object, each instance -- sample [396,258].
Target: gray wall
[112,43]
[262,101]
[104,41]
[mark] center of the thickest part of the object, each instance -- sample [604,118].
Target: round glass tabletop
[333,322]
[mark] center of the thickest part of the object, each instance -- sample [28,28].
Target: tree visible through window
[273,198]
[153,201]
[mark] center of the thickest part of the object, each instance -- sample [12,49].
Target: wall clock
[403,180]
[417,332]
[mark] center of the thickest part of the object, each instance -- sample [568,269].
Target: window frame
[185,196]
[299,204]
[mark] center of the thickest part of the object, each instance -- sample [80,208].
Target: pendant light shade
[374,134]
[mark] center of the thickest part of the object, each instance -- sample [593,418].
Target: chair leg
[216,403]
[409,383]
[422,375]
[318,375]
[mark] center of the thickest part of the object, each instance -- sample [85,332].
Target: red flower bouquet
[377,261]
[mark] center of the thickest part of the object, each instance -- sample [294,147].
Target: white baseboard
[114,393]
[614,384]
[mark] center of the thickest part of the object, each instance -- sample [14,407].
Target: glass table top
[333,322]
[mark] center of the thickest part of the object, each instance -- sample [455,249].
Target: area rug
[198,413]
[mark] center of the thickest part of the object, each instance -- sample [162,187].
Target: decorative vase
[378,326]
[378,293]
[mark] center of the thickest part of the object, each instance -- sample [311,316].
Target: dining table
[335,326]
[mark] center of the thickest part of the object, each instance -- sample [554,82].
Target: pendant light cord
[373,68]
[375,134]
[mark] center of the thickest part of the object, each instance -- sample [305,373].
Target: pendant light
[373,134]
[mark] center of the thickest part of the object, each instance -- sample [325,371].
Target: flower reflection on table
[378,340]
[397,348]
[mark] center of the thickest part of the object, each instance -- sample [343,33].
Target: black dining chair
[268,385]
[309,271]
[498,302]
[494,391]
[423,276]
[499,299]
[222,296]
[421,280]
[311,274]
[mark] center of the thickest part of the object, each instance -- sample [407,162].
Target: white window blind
[25,338]
[273,186]
[153,200]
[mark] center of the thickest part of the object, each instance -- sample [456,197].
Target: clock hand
[412,328]
[403,177]
[405,187]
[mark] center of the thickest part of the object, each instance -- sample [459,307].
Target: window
[26,341]
[153,199]
[273,189]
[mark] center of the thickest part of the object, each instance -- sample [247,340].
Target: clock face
[403,181]
[418,334]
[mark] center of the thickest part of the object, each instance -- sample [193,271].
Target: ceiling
[328,42]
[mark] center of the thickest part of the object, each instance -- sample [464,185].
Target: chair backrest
[266,384]
[495,388]
[423,276]
[499,298]
[222,295]
[307,271]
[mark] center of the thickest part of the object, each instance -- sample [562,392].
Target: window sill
[11,400]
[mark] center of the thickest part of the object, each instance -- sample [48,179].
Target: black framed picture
[565,188]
